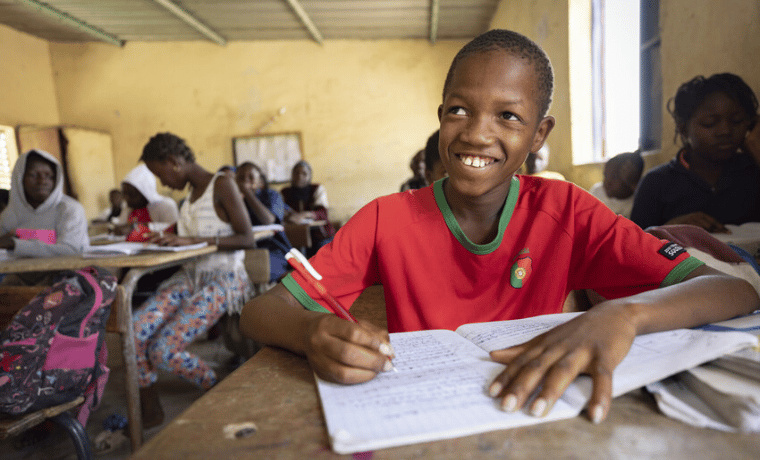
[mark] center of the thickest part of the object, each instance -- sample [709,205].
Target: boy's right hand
[344,352]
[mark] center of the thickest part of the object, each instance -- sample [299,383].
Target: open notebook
[440,389]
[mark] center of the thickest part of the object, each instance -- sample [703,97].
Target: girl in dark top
[265,206]
[714,179]
[308,202]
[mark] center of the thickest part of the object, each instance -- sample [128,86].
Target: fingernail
[386,349]
[510,403]
[495,389]
[596,414]
[538,408]
[388,366]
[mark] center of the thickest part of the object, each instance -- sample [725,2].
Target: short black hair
[634,157]
[163,145]
[303,164]
[432,155]
[692,94]
[518,45]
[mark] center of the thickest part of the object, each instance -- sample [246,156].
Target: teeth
[477,162]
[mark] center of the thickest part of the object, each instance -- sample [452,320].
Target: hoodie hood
[143,180]
[17,203]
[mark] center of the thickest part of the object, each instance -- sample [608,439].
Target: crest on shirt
[521,269]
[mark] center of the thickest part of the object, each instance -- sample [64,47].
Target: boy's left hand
[594,343]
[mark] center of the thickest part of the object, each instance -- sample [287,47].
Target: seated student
[537,162]
[308,202]
[37,202]
[113,212]
[417,165]
[713,179]
[485,244]
[621,176]
[265,206]
[192,300]
[434,168]
[146,205]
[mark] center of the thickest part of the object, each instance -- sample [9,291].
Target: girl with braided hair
[187,304]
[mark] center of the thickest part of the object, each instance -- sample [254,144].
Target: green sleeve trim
[681,271]
[301,296]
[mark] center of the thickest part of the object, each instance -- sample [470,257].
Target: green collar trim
[456,230]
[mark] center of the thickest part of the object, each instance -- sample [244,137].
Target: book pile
[723,394]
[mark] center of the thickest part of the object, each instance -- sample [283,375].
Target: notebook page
[439,392]
[652,357]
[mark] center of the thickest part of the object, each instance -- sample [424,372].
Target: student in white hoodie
[37,202]
[145,204]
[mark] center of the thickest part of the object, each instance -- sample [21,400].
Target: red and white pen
[302,265]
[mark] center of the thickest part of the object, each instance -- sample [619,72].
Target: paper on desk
[746,236]
[711,397]
[273,227]
[129,248]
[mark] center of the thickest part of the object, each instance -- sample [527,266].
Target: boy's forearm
[707,297]
[271,320]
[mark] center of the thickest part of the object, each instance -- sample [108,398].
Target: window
[615,81]
[8,155]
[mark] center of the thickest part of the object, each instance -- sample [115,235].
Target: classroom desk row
[269,408]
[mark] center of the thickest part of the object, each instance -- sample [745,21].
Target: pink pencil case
[46,236]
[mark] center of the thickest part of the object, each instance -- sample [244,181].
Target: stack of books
[723,394]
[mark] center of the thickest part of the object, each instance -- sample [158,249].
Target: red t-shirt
[553,237]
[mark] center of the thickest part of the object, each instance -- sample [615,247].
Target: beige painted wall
[26,79]
[363,107]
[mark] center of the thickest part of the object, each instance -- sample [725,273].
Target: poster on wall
[275,154]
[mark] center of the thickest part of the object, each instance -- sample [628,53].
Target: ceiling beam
[191,20]
[435,8]
[73,22]
[306,20]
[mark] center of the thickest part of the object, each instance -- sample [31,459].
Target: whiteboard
[275,154]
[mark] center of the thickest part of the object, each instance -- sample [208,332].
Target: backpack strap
[98,298]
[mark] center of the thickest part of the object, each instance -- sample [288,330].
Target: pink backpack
[53,350]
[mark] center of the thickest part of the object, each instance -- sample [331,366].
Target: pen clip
[295,253]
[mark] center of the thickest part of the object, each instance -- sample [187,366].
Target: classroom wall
[26,80]
[363,107]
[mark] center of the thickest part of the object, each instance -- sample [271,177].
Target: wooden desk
[299,235]
[138,265]
[276,391]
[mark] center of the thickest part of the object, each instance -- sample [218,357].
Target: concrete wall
[26,80]
[363,107]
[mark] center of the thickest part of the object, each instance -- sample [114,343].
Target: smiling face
[717,129]
[490,121]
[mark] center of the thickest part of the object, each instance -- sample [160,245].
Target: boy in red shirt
[485,245]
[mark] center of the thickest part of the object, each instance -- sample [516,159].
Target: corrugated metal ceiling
[119,21]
